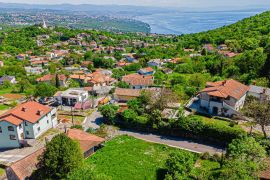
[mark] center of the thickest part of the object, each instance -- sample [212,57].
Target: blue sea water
[192,22]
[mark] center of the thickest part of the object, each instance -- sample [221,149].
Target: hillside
[255,28]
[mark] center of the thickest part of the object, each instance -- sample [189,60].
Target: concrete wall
[5,141]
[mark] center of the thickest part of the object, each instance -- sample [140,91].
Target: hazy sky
[170,3]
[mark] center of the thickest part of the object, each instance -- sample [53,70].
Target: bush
[77,127]
[205,156]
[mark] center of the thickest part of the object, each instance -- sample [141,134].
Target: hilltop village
[134,105]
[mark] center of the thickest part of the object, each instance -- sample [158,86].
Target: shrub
[77,127]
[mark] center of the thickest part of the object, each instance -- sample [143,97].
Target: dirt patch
[13,96]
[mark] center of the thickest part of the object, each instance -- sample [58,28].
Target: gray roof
[259,90]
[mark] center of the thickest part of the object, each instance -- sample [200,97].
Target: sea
[193,22]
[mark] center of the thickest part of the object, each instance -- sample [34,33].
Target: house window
[25,123]
[0,129]
[47,121]
[12,137]
[10,128]
[27,132]
[20,126]
[38,128]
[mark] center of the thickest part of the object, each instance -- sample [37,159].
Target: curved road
[95,119]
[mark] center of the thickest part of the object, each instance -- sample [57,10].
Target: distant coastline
[193,22]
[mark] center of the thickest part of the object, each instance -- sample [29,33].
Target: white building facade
[24,122]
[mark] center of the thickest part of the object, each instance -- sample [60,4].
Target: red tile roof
[226,88]
[86,140]
[30,111]
[137,80]
[24,168]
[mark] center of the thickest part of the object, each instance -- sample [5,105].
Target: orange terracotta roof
[136,79]
[76,76]
[49,77]
[86,140]
[127,92]
[39,61]
[26,111]
[226,88]
[25,167]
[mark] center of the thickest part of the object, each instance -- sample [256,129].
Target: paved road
[180,143]
[95,120]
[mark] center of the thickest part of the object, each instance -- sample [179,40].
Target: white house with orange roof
[26,121]
[223,98]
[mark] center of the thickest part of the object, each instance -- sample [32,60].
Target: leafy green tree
[179,165]
[61,156]
[129,115]
[109,112]
[246,149]
[122,84]
[45,90]
[73,84]
[57,81]
[258,112]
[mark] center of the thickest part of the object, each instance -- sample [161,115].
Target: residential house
[26,121]
[223,47]
[146,71]
[89,143]
[258,92]
[48,78]
[130,57]
[124,95]
[10,79]
[34,70]
[209,47]
[23,169]
[155,62]
[39,63]
[223,98]
[137,81]
[71,96]
[21,57]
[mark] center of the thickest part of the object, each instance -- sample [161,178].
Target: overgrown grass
[126,157]
[51,131]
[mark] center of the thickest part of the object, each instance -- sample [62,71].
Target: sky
[161,3]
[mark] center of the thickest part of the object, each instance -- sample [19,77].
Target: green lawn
[5,91]
[2,172]
[126,157]
[3,107]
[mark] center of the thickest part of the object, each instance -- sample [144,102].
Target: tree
[73,84]
[22,84]
[246,149]
[122,84]
[45,90]
[57,81]
[179,165]
[62,156]
[258,112]
[109,112]
[245,158]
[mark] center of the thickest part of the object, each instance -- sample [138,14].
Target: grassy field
[2,172]
[129,158]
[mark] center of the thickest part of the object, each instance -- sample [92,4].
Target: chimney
[39,112]
[24,109]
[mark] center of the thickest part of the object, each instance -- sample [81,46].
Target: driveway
[8,157]
[95,119]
